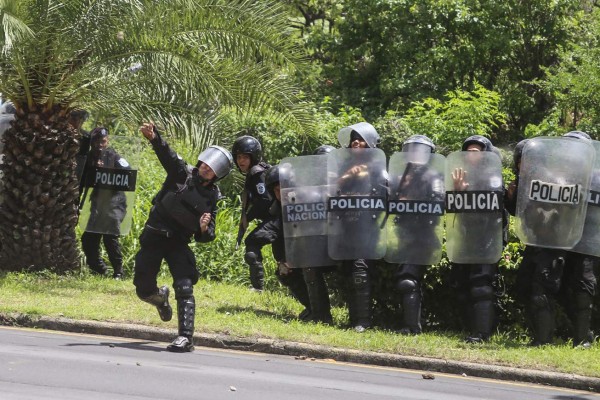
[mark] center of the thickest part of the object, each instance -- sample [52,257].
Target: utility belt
[161,232]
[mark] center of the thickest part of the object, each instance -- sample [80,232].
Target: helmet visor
[218,159]
[417,152]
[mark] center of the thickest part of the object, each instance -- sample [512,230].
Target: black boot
[318,296]
[161,301]
[186,311]
[542,315]
[582,314]
[257,276]
[294,281]
[482,322]
[411,313]
[360,304]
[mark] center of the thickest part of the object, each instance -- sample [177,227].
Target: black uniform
[546,276]
[419,182]
[474,283]
[358,271]
[107,210]
[292,278]
[257,207]
[173,221]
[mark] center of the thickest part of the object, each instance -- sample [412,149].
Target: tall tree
[177,62]
[387,54]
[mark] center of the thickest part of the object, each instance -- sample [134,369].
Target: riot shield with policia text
[474,207]
[303,182]
[554,180]
[357,203]
[590,239]
[106,204]
[415,209]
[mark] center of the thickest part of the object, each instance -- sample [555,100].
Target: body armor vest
[185,206]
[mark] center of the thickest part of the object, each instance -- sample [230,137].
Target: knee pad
[252,258]
[183,288]
[482,293]
[406,286]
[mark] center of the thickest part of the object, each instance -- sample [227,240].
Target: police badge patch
[260,188]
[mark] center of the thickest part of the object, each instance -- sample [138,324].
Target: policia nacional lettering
[304,212]
[554,192]
[473,201]
[113,179]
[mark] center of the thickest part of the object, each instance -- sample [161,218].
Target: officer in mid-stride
[256,201]
[185,207]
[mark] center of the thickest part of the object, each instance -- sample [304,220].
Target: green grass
[234,310]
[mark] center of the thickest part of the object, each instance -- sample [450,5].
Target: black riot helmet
[247,145]
[272,179]
[323,149]
[484,142]
[578,135]
[362,130]
[416,141]
[418,149]
[518,153]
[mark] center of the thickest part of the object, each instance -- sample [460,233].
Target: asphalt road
[37,364]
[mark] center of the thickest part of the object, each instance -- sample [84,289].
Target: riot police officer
[256,201]
[419,181]
[292,278]
[107,210]
[547,274]
[474,283]
[314,277]
[356,178]
[185,207]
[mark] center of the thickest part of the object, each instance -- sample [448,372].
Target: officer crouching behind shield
[292,278]
[107,207]
[185,206]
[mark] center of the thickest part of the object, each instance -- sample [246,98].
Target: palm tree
[176,62]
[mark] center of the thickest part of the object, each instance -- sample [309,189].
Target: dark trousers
[90,243]
[154,248]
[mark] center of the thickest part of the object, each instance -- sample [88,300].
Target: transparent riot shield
[107,200]
[356,204]
[415,209]
[303,183]
[553,185]
[590,239]
[474,207]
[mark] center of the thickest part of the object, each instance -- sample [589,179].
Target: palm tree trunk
[38,212]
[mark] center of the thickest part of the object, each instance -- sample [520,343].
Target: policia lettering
[357,203]
[554,193]
[473,201]
[109,178]
[415,207]
[305,212]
